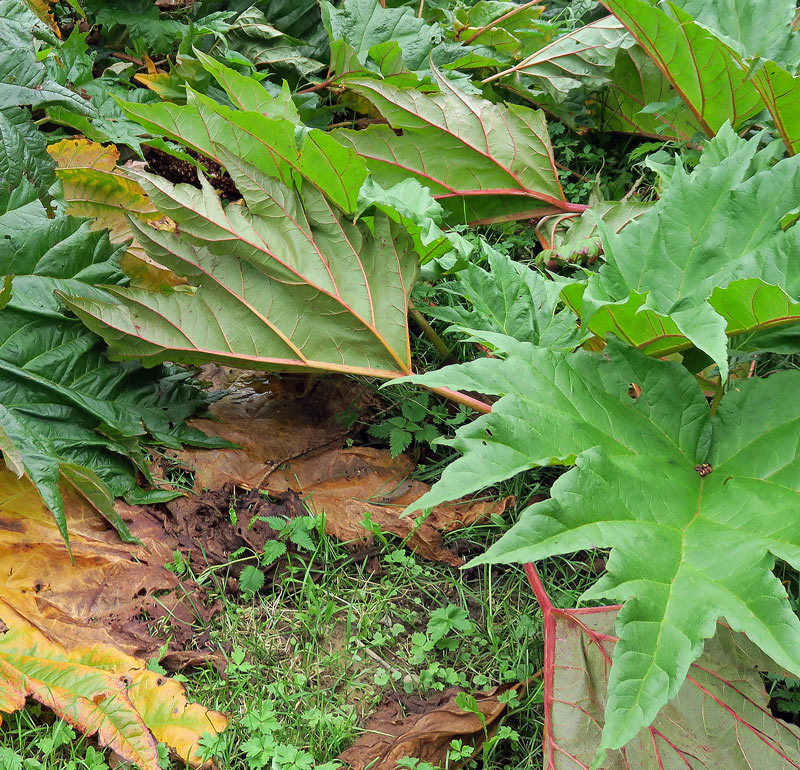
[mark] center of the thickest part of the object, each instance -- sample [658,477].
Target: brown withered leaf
[274,420]
[425,730]
[104,596]
[346,484]
[291,433]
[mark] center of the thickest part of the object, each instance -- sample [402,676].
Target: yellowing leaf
[101,692]
[94,686]
[94,186]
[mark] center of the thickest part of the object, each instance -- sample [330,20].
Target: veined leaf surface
[698,65]
[285,282]
[719,719]
[709,260]
[690,542]
[482,161]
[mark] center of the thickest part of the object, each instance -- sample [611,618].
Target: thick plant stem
[550,612]
[463,398]
[431,334]
[502,18]
[718,393]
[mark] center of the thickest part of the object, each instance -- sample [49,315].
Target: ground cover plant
[399,384]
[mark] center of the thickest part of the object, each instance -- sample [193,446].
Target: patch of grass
[311,657]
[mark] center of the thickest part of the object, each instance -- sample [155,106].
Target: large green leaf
[691,542]
[266,136]
[68,413]
[698,65]
[285,282]
[482,161]
[709,260]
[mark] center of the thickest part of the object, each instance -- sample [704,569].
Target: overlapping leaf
[482,161]
[688,546]
[66,411]
[262,133]
[720,717]
[285,282]
[709,260]
[603,56]
[699,65]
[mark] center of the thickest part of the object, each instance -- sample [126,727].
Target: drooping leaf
[482,161]
[570,237]
[70,413]
[263,44]
[284,282]
[582,58]
[709,260]
[266,138]
[695,509]
[697,64]
[513,301]
[720,718]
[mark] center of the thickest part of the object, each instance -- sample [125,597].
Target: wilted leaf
[349,484]
[291,440]
[426,732]
[59,614]
[482,161]
[102,592]
[720,718]
[103,693]
[285,282]
[694,509]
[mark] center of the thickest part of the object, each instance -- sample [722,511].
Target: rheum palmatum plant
[696,495]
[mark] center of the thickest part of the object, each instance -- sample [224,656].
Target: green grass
[313,655]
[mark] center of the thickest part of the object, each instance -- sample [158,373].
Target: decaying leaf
[425,730]
[69,622]
[349,484]
[272,420]
[102,692]
[719,719]
[103,593]
[291,438]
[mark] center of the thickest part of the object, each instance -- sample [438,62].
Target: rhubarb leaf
[719,718]
[698,65]
[694,509]
[482,161]
[284,282]
[709,260]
